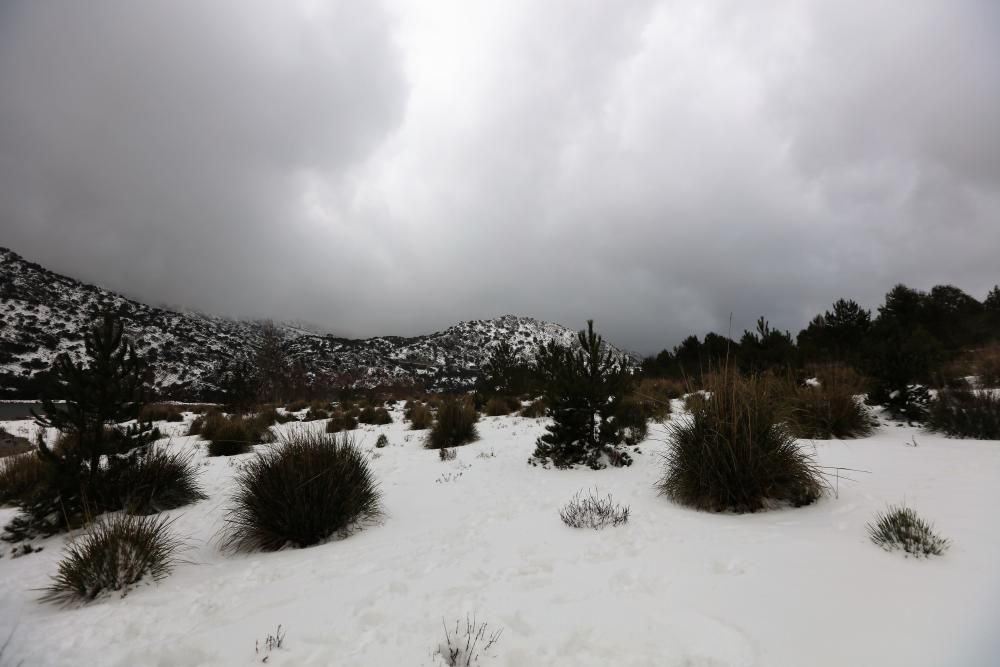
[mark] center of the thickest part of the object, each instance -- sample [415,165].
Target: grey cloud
[655,165]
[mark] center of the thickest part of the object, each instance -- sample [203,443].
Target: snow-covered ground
[481,535]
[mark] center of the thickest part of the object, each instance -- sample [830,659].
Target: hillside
[43,313]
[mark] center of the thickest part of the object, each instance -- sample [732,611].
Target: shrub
[115,554]
[381,441]
[303,490]
[535,409]
[155,412]
[830,408]
[966,413]
[733,453]
[420,417]
[584,387]
[655,394]
[987,365]
[19,474]
[375,415]
[270,643]
[151,481]
[695,401]
[446,454]
[501,405]
[633,417]
[463,646]
[901,528]
[206,423]
[341,421]
[316,413]
[234,435]
[268,414]
[455,425]
[13,444]
[909,403]
[592,511]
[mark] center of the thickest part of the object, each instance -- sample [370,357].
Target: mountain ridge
[43,313]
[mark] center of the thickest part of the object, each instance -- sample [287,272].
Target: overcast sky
[395,168]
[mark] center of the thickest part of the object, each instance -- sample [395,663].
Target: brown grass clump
[655,394]
[233,435]
[19,474]
[966,413]
[342,421]
[374,415]
[733,453]
[156,412]
[455,425]
[420,417]
[830,408]
[501,405]
[535,409]
[300,492]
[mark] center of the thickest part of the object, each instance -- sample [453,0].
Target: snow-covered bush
[901,528]
[307,488]
[463,646]
[115,553]
[593,511]
[455,425]
[966,413]
[732,453]
[381,441]
[446,454]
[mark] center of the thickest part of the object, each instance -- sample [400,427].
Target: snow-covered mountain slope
[43,313]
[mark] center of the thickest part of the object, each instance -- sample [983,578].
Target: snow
[673,587]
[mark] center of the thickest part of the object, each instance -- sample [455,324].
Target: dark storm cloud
[655,165]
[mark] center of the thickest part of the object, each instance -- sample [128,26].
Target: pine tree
[992,302]
[501,369]
[109,390]
[272,363]
[97,398]
[584,388]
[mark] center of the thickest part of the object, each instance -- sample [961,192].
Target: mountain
[43,314]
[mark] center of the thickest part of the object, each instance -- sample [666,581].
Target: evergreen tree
[499,373]
[109,390]
[767,348]
[687,355]
[273,367]
[992,302]
[97,399]
[900,353]
[237,382]
[584,388]
[836,335]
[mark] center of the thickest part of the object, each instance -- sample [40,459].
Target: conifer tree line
[903,343]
